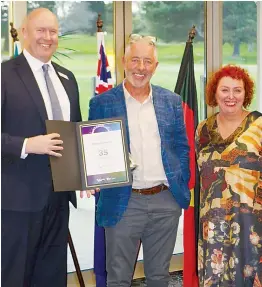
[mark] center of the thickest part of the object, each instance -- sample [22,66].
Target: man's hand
[44,144]
[88,193]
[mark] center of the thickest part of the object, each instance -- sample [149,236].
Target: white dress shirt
[145,142]
[36,67]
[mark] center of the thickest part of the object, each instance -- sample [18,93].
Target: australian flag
[104,80]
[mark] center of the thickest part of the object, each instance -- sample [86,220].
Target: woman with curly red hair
[229,155]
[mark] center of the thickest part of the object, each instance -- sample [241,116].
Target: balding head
[40,34]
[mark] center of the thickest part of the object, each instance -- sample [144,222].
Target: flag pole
[99,32]
[186,88]
[14,35]
[99,23]
[76,263]
[13,32]
[183,67]
[191,34]
[102,85]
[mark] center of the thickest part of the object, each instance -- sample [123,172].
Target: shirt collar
[34,63]
[128,96]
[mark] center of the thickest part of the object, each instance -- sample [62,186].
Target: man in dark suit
[34,218]
[149,210]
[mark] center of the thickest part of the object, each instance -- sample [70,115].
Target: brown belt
[151,190]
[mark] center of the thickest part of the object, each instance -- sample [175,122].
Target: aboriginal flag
[186,88]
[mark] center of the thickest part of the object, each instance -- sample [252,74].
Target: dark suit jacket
[174,148]
[27,183]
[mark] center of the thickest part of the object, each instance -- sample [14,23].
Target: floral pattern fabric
[230,231]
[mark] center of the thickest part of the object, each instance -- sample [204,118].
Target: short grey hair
[131,42]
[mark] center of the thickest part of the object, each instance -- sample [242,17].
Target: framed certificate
[95,155]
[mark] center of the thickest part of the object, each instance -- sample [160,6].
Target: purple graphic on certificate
[101,128]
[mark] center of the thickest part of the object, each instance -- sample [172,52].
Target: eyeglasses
[136,37]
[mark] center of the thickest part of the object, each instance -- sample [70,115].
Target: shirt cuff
[23,154]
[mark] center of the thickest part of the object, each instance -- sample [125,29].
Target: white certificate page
[103,152]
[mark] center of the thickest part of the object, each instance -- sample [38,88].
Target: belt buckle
[139,191]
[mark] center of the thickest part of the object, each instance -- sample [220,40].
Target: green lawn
[83,63]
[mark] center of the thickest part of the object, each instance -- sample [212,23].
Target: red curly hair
[234,72]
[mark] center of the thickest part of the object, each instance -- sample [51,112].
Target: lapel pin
[63,75]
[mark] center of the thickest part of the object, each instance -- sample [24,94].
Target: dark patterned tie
[56,108]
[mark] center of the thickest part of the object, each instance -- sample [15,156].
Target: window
[240,37]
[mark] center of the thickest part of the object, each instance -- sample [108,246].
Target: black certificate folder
[95,155]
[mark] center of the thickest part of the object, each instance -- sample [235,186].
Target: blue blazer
[174,148]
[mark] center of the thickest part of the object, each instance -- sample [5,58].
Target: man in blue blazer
[34,218]
[149,210]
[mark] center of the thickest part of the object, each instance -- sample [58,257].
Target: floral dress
[230,234]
